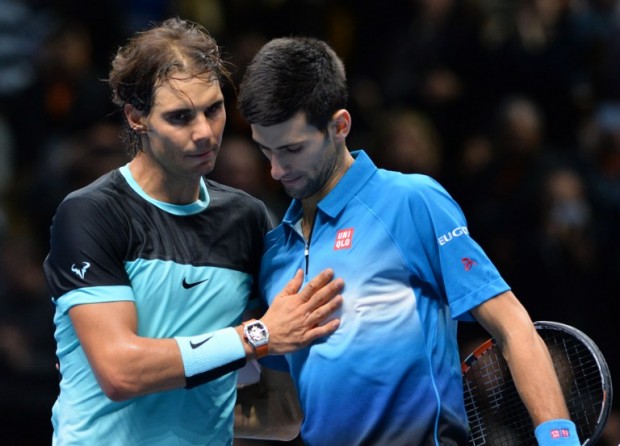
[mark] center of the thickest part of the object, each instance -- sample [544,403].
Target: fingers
[324,295]
[294,284]
[297,318]
[323,312]
[316,284]
[321,331]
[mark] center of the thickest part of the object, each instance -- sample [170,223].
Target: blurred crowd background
[513,105]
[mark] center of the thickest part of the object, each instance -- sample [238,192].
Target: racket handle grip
[558,432]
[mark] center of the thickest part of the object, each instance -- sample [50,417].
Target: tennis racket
[495,412]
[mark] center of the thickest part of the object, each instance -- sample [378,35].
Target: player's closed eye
[294,149]
[214,109]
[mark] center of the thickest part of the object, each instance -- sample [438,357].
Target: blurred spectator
[409,143]
[611,434]
[6,169]
[67,93]
[28,377]
[601,148]
[70,163]
[23,29]
[534,50]
[564,253]
[506,179]
[597,25]
[431,62]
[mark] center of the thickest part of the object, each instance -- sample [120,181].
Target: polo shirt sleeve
[457,265]
[86,255]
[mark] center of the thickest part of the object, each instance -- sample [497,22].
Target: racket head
[495,411]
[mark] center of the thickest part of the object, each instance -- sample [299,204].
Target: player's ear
[135,118]
[341,122]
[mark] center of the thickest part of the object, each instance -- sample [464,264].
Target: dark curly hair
[152,56]
[293,74]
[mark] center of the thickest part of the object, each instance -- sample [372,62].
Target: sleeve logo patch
[468,263]
[81,270]
[344,239]
[456,232]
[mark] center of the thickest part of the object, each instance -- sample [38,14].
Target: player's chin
[206,168]
[202,166]
[297,193]
[198,170]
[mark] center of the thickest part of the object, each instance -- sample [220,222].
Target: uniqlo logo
[565,433]
[555,433]
[344,239]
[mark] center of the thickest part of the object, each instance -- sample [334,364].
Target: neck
[307,221]
[163,186]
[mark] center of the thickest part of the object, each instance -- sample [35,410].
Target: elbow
[117,389]
[116,373]
[117,394]
[118,383]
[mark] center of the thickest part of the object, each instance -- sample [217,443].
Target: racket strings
[496,413]
[580,379]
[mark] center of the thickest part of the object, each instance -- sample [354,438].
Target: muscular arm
[526,353]
[127,365]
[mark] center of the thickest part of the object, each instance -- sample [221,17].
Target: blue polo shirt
[390,374]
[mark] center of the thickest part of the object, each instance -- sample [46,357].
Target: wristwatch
[257,335]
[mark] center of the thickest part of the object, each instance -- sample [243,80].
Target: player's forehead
[294,131]
[180,92]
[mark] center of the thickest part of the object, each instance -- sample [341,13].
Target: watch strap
[261,351]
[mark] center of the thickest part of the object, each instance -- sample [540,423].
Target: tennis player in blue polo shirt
[390,374]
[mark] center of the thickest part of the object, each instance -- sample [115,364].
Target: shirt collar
[349,185]
[176,209]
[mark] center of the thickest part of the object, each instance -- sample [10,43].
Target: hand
[294,318]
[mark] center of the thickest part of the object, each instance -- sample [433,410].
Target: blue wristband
[557,433]
[210,351]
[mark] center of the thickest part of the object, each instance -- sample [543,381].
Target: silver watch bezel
[256,339]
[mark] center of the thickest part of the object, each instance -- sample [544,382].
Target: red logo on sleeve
[468,263]
[344,239]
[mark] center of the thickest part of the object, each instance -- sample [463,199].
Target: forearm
[526,354]
[138,366]
[534,376]
[128,365]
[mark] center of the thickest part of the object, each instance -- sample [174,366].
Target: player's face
[185,126]
[302,158]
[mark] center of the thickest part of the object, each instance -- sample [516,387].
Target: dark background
[514,106]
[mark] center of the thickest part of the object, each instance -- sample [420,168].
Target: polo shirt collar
[349,185]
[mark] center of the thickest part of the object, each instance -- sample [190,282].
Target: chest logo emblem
[344,239]
[187,285]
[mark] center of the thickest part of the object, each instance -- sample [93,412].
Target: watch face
[256,332]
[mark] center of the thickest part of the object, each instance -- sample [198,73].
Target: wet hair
[151,57]
[293,74]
